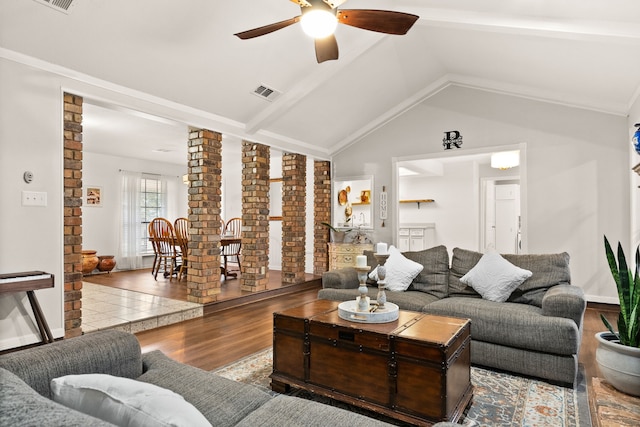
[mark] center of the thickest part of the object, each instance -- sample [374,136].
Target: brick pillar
[321,213]
[72,215]
[205,181]
[255,216]
[294,174]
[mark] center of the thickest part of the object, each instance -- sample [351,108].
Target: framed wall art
[93,196]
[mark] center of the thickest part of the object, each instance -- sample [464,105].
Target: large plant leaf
[629,294]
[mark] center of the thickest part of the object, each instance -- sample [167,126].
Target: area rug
[499,399]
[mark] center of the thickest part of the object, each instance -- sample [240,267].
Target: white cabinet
[415,237]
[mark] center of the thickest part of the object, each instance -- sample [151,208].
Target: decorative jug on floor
[89,261]
[106,263]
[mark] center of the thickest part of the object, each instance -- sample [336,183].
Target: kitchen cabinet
[415,237]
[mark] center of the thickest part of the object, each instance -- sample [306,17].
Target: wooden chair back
[181,228]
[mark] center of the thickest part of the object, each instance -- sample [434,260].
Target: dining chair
[181,228]
[232,251]
[163,242]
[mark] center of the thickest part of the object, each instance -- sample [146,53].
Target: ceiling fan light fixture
[319,23]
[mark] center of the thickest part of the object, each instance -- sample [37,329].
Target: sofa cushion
[101,352]
[223,402]
[400,271]
[494,277]
[547,271]
[297,412]
[510,324]
[21,405]
[123,401]
[434,277]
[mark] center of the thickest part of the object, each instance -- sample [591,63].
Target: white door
[507,202]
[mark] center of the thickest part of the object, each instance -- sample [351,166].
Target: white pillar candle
[381,248]
[361,261]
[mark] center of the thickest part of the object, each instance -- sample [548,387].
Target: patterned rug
[499,399]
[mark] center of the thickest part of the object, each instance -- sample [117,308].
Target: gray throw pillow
[434,277]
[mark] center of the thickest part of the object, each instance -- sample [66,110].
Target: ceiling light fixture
[319,23]
[505,160]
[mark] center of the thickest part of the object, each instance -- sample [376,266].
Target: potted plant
[336,236]
[618,353]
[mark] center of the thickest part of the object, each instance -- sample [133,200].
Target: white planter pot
[619,364]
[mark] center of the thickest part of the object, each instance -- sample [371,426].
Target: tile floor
[104,307]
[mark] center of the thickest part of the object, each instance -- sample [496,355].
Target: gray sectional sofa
[536,332]
[25,396]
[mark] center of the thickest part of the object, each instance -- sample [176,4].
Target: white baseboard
[603,300]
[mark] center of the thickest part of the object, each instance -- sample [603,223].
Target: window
[152,197]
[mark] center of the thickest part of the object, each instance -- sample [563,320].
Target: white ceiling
[582,53]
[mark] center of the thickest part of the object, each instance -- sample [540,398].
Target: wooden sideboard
[344,254]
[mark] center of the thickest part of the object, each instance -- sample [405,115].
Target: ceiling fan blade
[302,3]
[261,31]
[382,21]
[326,49]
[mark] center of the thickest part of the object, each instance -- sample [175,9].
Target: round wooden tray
[348,310]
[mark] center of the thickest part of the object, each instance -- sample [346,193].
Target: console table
[29,281]
[415,369]
[344,254]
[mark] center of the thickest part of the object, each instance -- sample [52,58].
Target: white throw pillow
[495,278]
[125,402]
[400,271]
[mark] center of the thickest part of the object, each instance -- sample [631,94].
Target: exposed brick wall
[72,215]
[294,178]
[255,216]
[321,213]
[205,182]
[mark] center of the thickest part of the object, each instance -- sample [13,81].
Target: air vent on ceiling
[266,92]
[64,6]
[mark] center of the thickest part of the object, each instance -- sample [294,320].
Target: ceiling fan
[382,21]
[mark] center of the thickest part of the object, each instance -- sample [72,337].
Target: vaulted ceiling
[582,53]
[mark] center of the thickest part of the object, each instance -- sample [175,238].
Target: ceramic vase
[619,364]
[89,261]
[106,263]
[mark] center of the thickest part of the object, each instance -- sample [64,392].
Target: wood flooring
[224,336]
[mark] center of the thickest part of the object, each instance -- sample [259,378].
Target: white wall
[100,225]
[454,197]
[30,140]
[231,179]
[634,159]
[577,190]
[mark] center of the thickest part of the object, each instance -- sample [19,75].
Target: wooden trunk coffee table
[415,369]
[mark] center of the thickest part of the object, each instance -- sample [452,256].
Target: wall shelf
[418,201]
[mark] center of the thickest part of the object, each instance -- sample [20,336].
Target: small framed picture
[93,196]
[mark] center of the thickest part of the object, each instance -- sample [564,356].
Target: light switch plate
[34,198]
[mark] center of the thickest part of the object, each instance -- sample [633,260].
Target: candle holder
[363,299]
[382,273]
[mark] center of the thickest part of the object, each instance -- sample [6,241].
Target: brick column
[321,213]
[205,181]
[72,215]
[294,174]
[255,216]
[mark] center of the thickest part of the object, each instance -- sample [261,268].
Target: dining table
[224,241]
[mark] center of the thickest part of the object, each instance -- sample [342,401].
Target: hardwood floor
[236,331]
[222,337]
[230,294]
